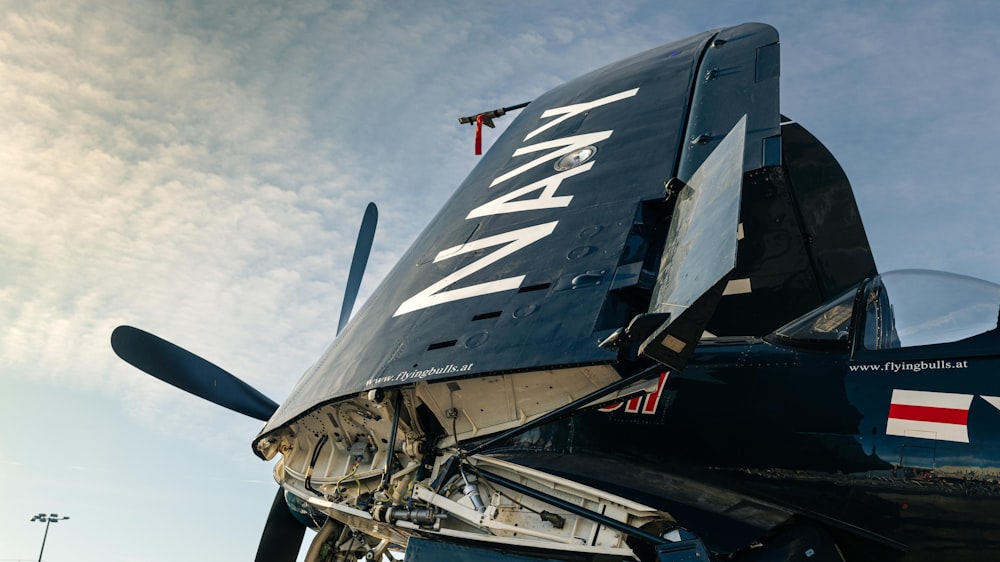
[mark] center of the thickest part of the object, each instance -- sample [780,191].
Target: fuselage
[893,446]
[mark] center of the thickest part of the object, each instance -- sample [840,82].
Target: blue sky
[199,170]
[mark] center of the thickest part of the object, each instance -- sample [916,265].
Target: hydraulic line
[312,463]
[396,406]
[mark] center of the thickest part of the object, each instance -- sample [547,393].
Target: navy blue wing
[555,239]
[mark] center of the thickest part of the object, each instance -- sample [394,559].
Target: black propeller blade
[282,536]
[362,248]
[188,372]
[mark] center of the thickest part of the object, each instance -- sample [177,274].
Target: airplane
[648,326]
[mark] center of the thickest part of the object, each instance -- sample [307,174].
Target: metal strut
[573,508]
[396,406]
[486,118]
[489,116]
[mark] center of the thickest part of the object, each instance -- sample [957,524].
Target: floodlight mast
[47,519]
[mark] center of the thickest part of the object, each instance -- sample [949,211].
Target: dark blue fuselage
[894,450]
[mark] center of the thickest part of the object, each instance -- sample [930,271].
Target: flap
[700,253]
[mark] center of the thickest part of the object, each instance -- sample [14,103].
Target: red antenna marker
[486,118]
[479,134]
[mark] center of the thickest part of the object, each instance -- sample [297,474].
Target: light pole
[46,518]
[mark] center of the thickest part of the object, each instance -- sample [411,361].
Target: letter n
[509,243]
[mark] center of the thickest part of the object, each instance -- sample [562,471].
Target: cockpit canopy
[900,309]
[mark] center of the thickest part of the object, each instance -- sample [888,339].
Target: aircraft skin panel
[738,75]
[491,403]
[423,550]
[505,309]
[836,241]
[804,242]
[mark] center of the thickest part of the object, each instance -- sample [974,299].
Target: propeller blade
[282,536]
[362,248]
[188,372]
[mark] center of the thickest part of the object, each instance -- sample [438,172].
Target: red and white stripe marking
[942,416]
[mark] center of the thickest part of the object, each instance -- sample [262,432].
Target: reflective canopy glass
[916,307]
[829,322]
[905,309]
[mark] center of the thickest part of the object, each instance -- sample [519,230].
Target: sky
[199,169]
